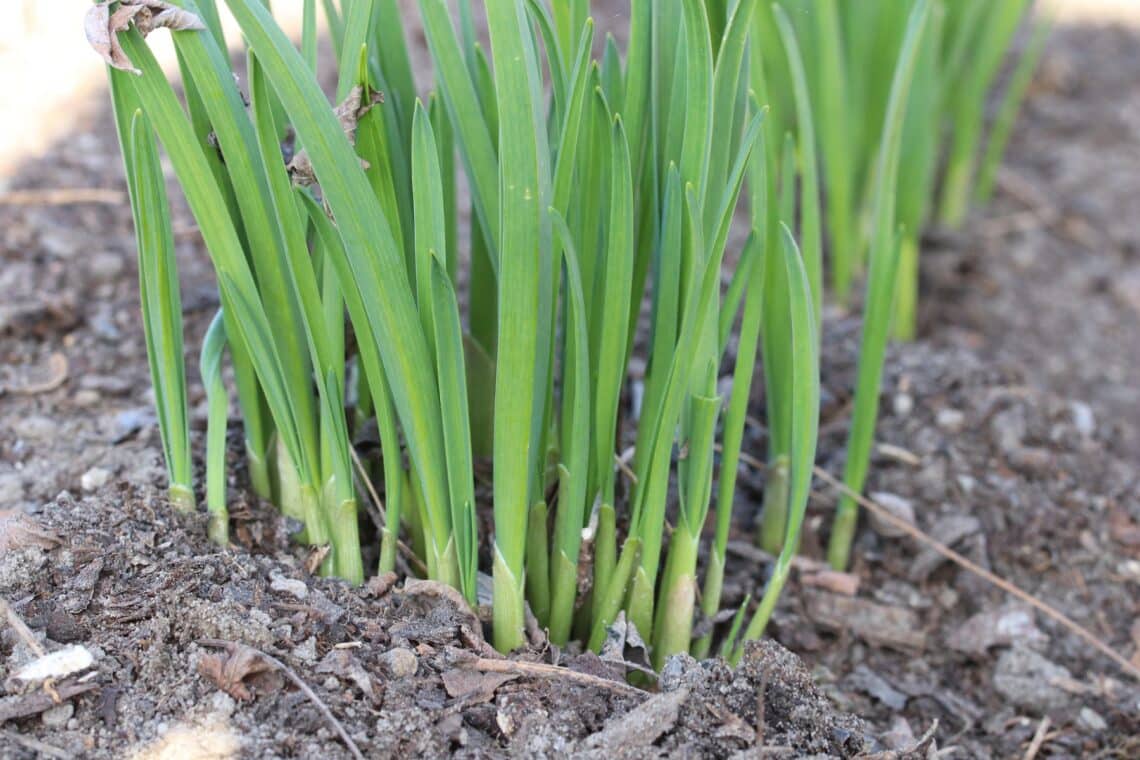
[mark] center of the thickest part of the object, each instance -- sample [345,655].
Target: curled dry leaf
[230,670]
[104,38]
[17,530]
[102,27]
[624,645]
[156,14]
[472,686]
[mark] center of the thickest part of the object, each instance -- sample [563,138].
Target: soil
[1010,432]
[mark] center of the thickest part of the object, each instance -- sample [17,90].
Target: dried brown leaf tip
[103,27]
[229,671]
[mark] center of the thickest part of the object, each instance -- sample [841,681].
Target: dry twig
[62,196]
[1038,738]
[21,628]
[542,670]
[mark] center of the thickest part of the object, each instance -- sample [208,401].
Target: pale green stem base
[673,629]
[842,534]
[508,607]
[181,498]
[774,518]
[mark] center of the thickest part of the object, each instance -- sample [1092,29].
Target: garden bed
[1011,431]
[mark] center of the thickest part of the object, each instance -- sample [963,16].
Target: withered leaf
[157,14]
[348,114]
[230,670]
[624,645]
[17,530]
[104,38]
[343,664]
[102,27]
[316,558]
[472,686]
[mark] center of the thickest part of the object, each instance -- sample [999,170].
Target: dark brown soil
[1010,431]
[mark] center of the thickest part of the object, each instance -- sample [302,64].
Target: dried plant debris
[54,666]
[235,670]
[349,113]
[17,531]
[103,27]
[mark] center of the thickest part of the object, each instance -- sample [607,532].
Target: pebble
[950,420]
[400,662]
[898,507]
[1027,679]
[1008,428]
[94,479]
[223,703]
[306,651]
[11,488]
[58,716]
[290,586]
[105,266]
[62,242]
[903,404]
[1091,719]
[35,427]
[1083,419]
[86,397]
[331,684]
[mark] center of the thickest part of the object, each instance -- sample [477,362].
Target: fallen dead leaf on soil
[343,664]
[472,686]
[624,645]
[999,627]
[378,586]
[435,590]
[640,727]
[230,670]
[17,531]
[868,681]
[873,622]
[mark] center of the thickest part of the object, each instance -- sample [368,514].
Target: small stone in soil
[306,651]
[898,507]
[1083,419]
[903,404]
[292,586]
[223,703]
[35,427]
[94,479]
[11,488]
[58,716]
[400,662]
[950,420]
[1027,679]
[1091,719]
